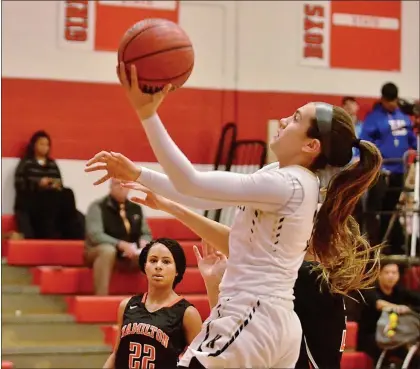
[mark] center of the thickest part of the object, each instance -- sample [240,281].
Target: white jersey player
[254,325]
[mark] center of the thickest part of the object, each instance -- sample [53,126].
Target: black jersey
[323,319]
[151,340]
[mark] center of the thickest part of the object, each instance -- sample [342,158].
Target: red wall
[84,118]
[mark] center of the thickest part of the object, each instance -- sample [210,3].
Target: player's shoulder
[182,304]
[133,301]
[301,172]
[291,170]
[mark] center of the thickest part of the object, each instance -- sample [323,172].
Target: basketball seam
[139,33]
[164,79]
[157,53]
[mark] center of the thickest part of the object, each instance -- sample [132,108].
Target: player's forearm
[161,184]
[212,293]
[269,191]
[214,233]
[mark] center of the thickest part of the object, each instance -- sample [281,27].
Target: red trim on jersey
[172,303]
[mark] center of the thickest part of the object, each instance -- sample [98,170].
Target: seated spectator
[386,294]
[116,230]
[44,209]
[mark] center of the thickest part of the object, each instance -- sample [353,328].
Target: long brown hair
[348,262]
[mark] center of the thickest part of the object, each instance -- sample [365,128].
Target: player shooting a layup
[254,325]
[321,313]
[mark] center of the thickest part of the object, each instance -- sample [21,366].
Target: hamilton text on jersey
[146,330]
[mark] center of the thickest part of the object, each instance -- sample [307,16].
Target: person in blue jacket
[392,132]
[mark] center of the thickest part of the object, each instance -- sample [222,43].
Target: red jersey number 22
[141,356]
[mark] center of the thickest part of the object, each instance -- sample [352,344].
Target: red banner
[114,18]
[351,34]
[366,35]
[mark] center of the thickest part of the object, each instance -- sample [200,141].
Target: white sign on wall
[315,34]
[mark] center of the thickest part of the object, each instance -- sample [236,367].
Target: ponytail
[348,262]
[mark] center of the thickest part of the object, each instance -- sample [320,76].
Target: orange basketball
[161,51]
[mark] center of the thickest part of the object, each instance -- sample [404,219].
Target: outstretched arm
[209,230]
[161,184]
[213,232]
[267,190]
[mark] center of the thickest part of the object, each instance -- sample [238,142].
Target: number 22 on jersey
[141,354]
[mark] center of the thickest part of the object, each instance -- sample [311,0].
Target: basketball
[161,51]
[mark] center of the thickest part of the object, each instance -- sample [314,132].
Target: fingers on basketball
[167,89]
[134,79]
[122,75]
[117,70]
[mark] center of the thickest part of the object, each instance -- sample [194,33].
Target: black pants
[384,196]
[49,214]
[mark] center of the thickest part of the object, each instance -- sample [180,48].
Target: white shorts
[247,332]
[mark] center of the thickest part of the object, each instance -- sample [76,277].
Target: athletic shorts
[245,331]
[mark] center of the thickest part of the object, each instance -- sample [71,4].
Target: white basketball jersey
[267,248]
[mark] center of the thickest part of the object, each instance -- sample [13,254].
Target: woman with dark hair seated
[44,209]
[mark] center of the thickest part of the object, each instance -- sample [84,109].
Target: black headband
[324,116]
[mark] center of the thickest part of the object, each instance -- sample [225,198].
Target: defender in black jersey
[323,319]
[155,327]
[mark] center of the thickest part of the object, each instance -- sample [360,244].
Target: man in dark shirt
[386,294]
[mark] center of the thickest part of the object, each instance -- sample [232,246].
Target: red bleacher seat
[58,280]
[356,360]
[8,223]
[6,365]
[351,336]
[63,253]
[160,227]
[45,252]
[412,278]
[103,309]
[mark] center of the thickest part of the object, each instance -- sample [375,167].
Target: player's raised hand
[212,264]
[116,166]
[152,199]
[145,104]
